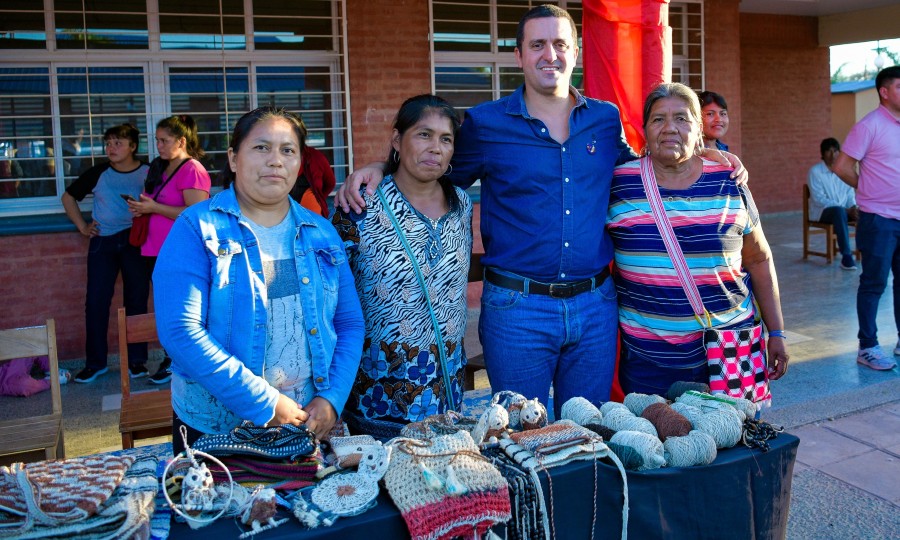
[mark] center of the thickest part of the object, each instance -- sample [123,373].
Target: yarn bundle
[622,419]
[581,411]
[430,511]
[648,447]
[667,421]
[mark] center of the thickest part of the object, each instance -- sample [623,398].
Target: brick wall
[44,276]
[722,33]
[388,52]
[786,95]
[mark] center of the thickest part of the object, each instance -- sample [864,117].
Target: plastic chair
[42,432]
[143,414]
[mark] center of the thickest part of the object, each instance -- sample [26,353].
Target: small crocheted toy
[492,425]
[260,513]
[468,504]
[512,402]
[533,414]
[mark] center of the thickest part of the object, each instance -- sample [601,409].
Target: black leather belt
[554,290]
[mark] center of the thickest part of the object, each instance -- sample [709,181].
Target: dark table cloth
[743,494]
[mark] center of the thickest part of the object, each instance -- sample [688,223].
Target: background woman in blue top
[254,299]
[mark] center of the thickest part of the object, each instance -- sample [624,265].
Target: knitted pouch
[57,492]
[432,513]
[558,443]
[286,441]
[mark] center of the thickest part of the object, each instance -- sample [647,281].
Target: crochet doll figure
[533,415]
[492,425]
[374,461]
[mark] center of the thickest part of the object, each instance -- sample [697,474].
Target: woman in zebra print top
[402,376]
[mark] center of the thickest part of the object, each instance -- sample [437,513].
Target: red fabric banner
[627,50]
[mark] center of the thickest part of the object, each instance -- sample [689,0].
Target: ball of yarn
[610,405]
[621,419]
[636,402]
[581,411]
[601,430]
[724,427]
[667,422]
[649,447]
[695,448]
[631,459]
[680,387]
[690,412]
[705,404]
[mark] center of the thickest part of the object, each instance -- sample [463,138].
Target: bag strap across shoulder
[170,177]
[651,188]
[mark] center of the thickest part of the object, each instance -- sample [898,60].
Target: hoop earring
[449,169]
[396,156]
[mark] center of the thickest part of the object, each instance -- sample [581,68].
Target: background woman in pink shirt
[175,181]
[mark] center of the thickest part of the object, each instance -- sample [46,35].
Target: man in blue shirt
[545,156]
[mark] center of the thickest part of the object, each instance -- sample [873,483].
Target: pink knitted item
[431,513]
[56,492]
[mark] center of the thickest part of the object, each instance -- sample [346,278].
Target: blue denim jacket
[210,301]
[543,203]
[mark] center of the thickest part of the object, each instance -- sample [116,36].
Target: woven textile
[56,492]
[432,513]
[286,441]
[557,444]
[250,471]
[124,514]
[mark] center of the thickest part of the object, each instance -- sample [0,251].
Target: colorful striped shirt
[710,219]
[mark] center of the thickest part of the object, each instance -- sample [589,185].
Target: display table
[742,494]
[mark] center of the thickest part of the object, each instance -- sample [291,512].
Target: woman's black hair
[410,113]
[124,131]
[179,125]
[706,97]
[246,123]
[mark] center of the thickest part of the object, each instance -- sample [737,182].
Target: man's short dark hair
[706,97]
[541,12]
[828,144]
[885,76]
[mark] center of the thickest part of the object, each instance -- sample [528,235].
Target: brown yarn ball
[667,421]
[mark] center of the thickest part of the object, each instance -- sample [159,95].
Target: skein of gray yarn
[621,419]
[637,402]
[723,425]
[610,405]
[695,448]
[581,411]
[680,387]
[690,412]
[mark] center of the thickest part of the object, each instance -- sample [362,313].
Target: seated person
[255,301]
[831,200]
[316,179]
[410,369]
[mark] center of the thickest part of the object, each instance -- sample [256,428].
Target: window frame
[155,63]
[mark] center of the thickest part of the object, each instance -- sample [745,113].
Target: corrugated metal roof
[851,87]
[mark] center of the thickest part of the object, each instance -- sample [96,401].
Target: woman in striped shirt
[717,225]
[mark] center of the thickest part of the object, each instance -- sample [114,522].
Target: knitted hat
[432,512]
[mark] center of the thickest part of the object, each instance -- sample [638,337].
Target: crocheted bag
[286,441]
[58,492]
[432,513]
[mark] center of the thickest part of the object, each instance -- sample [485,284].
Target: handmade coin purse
[286,441]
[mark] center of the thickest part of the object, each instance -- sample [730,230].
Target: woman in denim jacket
[255,301]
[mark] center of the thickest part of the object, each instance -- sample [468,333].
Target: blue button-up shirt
[543,204]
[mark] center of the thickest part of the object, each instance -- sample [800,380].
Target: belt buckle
[560,290]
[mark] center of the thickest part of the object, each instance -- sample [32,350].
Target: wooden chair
[476,363]
[145,414]
[31,433]
[811,227]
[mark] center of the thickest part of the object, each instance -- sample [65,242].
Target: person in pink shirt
[175,181]
[874,145]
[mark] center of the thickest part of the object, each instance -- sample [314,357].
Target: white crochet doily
[345,494]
